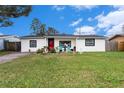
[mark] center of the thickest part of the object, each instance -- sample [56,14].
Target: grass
[65,70]
[2,52]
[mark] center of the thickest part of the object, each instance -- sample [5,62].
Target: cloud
[76,22]
[113,18]
[117,29]
[82,7]
[76,7]
[90,19]
[99,16]
[119,7]
[1,33]
[112,22]
[85,30]
[58,7]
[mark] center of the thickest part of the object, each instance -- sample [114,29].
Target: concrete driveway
[9,57]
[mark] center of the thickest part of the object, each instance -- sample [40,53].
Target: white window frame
[89,42]
[33,43]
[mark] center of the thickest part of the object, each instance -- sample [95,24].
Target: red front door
[51,43]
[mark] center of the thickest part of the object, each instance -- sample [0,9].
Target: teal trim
[61,46]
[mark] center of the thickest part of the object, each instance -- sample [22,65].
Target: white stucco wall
[1,44]
[56,41]
[25,45]
[99,46]
[79,43]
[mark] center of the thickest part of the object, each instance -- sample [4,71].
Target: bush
[40,50]
[53,51]
[45,49]
[57,49]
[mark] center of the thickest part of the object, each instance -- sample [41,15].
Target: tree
[38,28]
[43,29]
[10,11]
[52,31]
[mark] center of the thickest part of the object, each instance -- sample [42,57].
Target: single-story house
[8,40]
[78,43]
[119,41]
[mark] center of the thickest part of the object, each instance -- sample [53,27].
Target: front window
[65,43]
[33,43]
[89,42]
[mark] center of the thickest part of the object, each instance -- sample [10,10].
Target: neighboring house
[118,40]
[7,39]
[2,39]
[78,43]
[1,44]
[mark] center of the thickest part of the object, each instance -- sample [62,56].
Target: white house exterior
[81,47]
[81,43]
[25,44]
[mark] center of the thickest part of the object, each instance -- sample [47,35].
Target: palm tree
[52,31]
[42,29]
[38,28]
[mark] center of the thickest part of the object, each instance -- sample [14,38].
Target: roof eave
[60,37]
[31,37]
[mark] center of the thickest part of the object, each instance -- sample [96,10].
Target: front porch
[61,44]
[65,46]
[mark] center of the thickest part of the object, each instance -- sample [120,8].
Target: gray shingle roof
[62,35]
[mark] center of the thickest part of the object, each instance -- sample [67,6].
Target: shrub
[53,51]
[57,49]
[45,49]
[40,50]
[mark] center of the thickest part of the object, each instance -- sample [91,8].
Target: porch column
[46,42]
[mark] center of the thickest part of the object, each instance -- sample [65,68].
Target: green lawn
[2,52]
[65,70]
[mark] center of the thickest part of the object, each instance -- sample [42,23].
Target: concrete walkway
[9,57]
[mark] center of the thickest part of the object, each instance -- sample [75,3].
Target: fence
[111,46]
[12,46]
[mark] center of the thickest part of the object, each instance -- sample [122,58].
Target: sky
[89,19]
